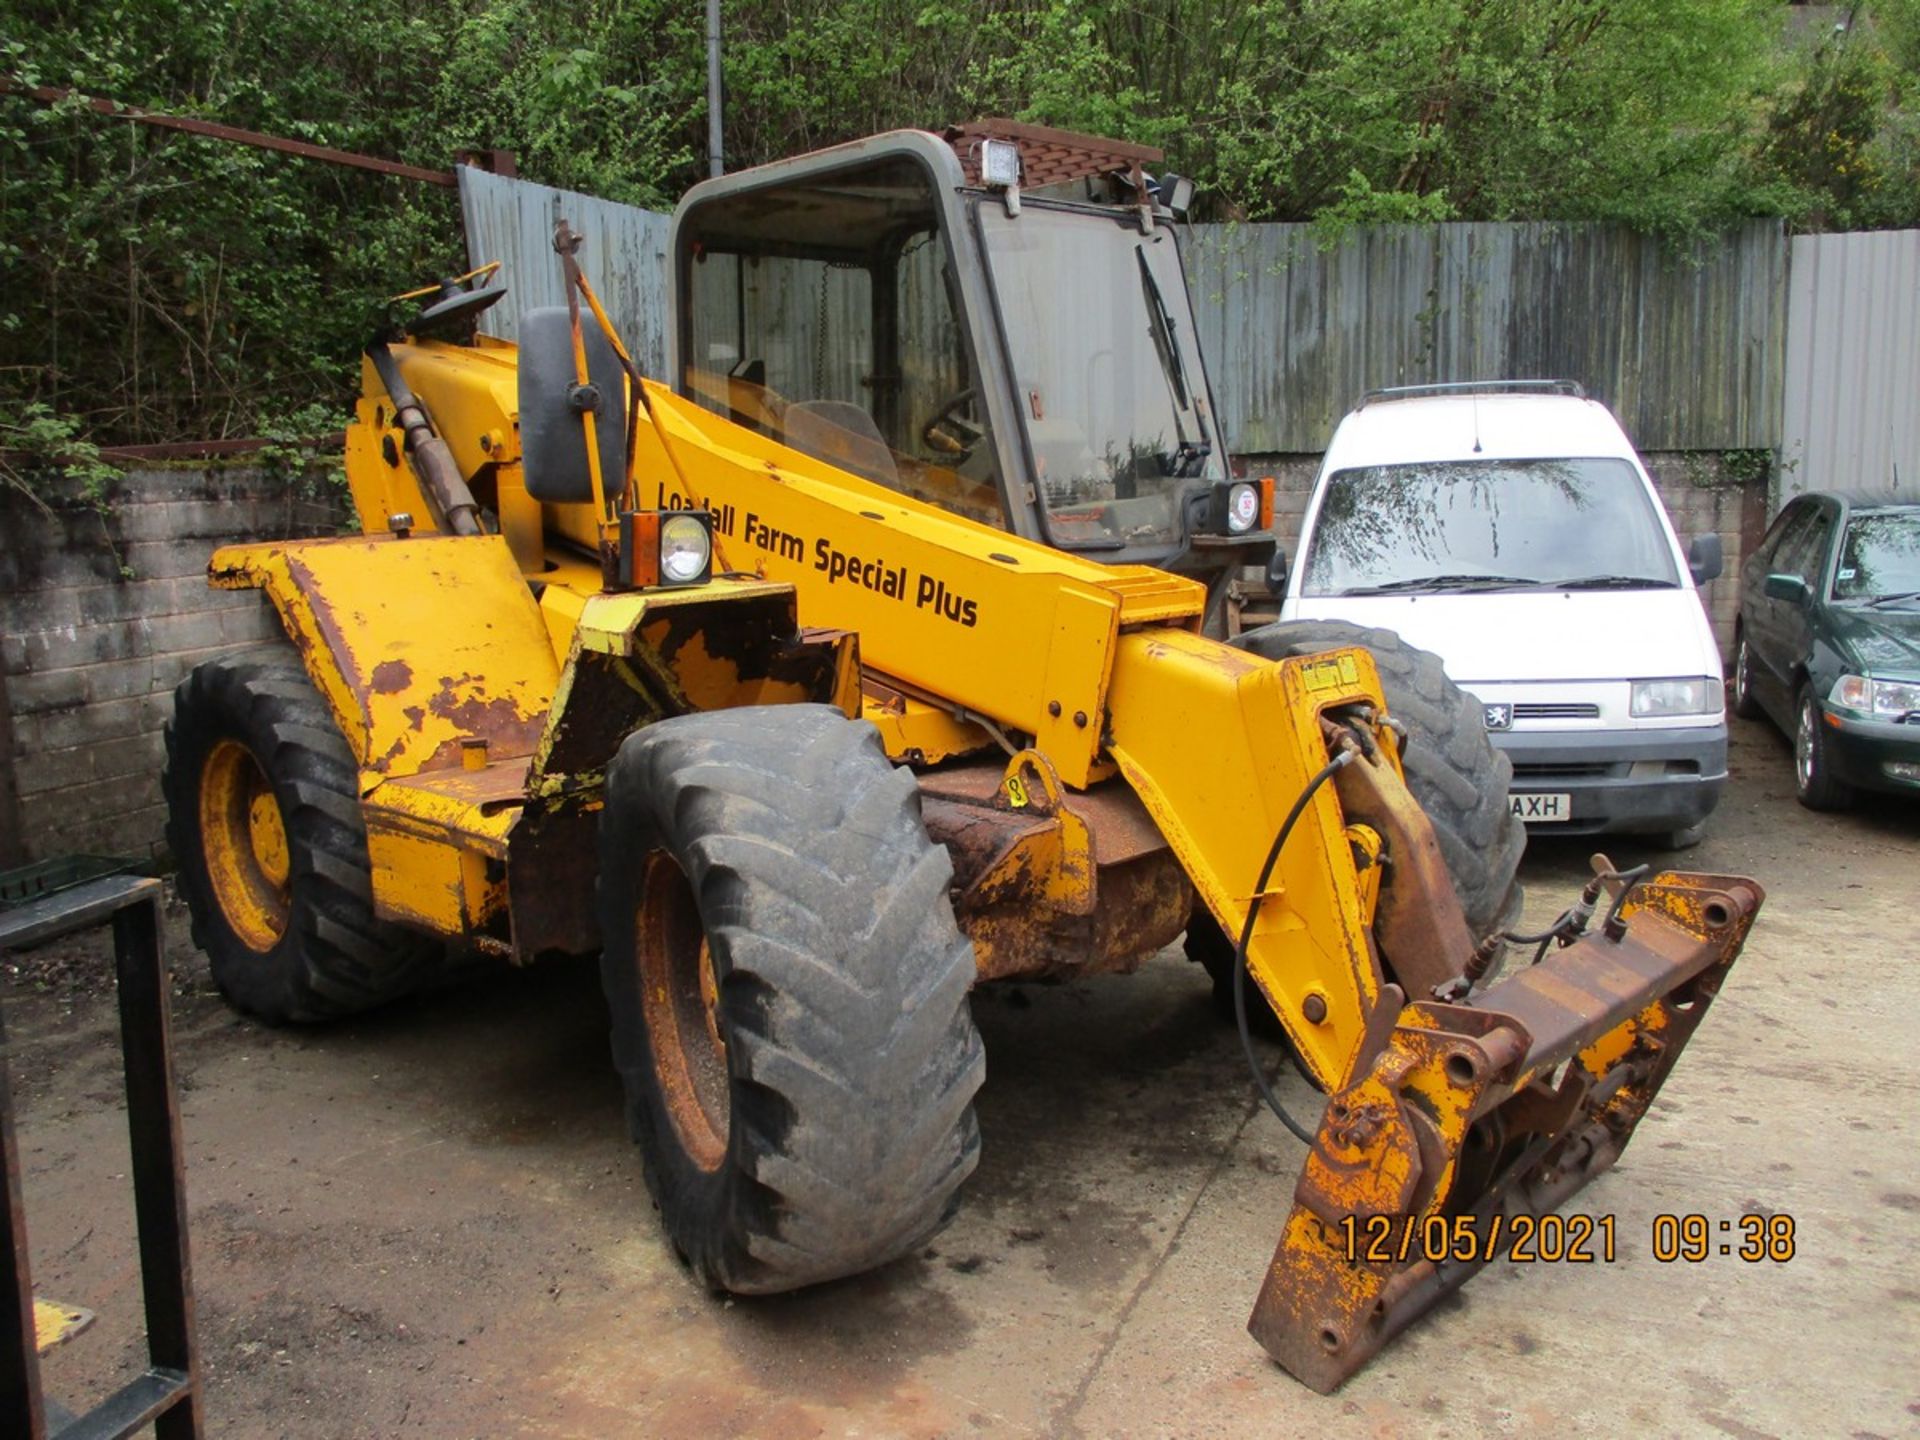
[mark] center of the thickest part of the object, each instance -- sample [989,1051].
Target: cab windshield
[1107,370]
[1487,525]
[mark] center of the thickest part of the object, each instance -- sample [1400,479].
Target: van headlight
[686,548]
[1698,695]
[1889,699]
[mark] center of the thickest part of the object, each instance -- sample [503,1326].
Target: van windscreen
[1487,525]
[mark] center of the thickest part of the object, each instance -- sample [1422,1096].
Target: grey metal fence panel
[624,256]
[1686,347]
[1852,420]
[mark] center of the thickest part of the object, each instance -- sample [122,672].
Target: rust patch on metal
[552,859]
[1023,899]
[390,677]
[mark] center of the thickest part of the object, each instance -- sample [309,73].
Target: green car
[1828,643]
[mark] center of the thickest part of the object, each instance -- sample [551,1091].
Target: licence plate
[1541,807]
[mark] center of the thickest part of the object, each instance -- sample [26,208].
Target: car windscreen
[1879,555]
[1487,525]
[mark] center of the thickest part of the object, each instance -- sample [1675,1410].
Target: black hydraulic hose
[1326,772]
[432,461]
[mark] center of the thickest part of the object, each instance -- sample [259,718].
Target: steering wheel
[949,433]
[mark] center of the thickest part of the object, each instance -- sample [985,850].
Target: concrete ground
[429,1222]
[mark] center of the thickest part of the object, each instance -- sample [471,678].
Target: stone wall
[89,655]
[1704,491]
[101,615]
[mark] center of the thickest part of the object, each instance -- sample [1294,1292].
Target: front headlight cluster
[1696,695]
[1885,699]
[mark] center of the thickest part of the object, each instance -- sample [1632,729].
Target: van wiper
[1607,582]
[1443,582]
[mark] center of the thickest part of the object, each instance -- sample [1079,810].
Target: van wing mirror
[1277,570]
[1705,559]
[1790,588]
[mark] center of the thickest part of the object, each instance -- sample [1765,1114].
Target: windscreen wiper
[1190,456]
[1444,582]
[1879,600]
[1165,336]
[1607,582]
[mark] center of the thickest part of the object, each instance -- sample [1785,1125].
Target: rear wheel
[263,817]
[1452,769]
[1813,778]
[788,992]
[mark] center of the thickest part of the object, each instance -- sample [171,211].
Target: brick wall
[1702,491]
[89,656]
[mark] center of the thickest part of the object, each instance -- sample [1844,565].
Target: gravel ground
[429,1221]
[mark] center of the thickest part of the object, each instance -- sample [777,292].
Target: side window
[1804,546]
[1813,557]
[819,313]
[1794,542]
[1791,519]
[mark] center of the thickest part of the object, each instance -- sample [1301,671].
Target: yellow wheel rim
[244,839]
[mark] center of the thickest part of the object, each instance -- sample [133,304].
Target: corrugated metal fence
[1685,347]
[1712,349]
[1852,418]
[624,256]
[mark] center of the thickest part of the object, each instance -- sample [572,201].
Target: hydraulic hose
[1326,772]
[432,461]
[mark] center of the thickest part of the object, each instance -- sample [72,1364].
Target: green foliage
[155,285]
[1844,140]
[36,443]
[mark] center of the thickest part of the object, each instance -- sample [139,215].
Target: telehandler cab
[830,679]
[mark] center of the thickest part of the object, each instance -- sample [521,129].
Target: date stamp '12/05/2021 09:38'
[1579,1239]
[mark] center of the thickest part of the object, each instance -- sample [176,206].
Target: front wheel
[1813,779]
[788,992]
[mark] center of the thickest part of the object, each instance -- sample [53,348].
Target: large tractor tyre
[263,816]
[1451,767]
[788,992]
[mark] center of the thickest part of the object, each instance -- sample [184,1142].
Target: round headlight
[685,549]
[1243,508]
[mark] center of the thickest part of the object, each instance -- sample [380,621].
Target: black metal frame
[167,1394]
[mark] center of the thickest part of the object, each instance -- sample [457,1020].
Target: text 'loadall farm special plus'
[865,661]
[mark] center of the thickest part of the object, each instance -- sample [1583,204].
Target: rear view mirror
[553,441]
[1704,559]
[1790,588]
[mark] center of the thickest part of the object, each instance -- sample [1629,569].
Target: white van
[1510,529]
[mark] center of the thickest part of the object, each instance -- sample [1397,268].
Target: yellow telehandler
[865,661]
